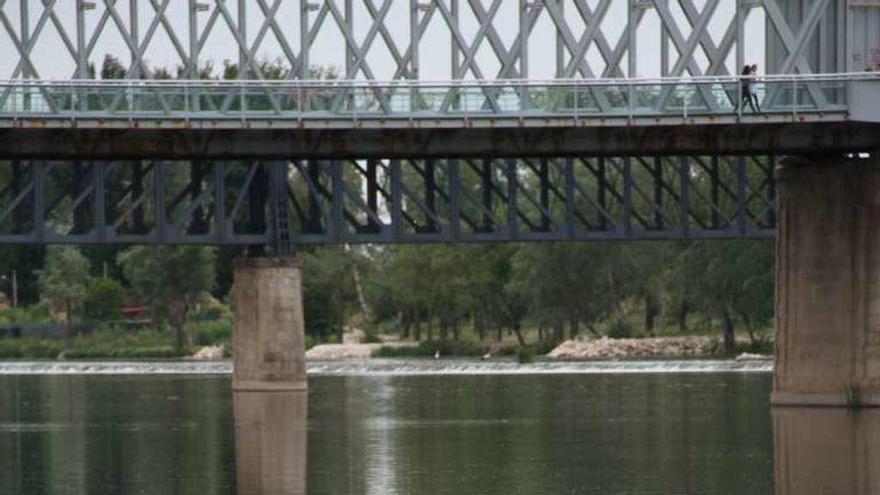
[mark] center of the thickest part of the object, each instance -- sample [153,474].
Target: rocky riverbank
[664,347]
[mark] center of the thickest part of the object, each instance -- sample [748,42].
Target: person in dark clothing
[747,93]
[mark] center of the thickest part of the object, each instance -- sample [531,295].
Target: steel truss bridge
[490,152]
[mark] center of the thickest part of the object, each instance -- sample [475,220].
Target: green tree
[104,299]
[170,279]
[729,280]
[63,282]
[329,287]
[569,282]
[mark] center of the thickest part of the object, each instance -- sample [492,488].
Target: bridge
[343,121]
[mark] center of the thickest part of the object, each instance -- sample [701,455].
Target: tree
[569,282]
[63,282]
[329,286]
[170,279]
[103,299]
[728,280]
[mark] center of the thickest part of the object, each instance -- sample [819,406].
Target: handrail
[406,83]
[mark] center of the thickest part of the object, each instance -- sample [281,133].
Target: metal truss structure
[287,203]
[398,39]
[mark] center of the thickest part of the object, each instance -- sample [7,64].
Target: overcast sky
[53,60]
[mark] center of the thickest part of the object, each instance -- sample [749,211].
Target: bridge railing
[356,100]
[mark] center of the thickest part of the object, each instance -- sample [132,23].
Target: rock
[209,353]
[339,352]
[606,348]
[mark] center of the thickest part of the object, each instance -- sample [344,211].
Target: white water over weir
[388,367]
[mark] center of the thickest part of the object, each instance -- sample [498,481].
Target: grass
[116,343]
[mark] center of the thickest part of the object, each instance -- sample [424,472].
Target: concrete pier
[828,283]
[269,336]
[271,439]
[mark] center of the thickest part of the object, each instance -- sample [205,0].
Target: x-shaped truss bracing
[412,39]
[296,202]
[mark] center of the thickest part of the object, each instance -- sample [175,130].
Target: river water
[425,428]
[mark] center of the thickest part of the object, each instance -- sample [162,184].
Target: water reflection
[270,442]
[826,451]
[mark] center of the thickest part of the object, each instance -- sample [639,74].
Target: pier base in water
[269,335]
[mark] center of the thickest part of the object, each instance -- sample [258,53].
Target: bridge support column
[828,283]
[269,335]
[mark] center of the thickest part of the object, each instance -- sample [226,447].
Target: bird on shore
[488,355]
[437,355]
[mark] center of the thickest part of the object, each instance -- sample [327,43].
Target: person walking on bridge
[747,92]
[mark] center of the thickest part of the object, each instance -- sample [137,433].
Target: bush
[29,349]
[210,311]
[210,332]
[545,346]
[104,300]
[525,355]
[620,329]
[370,337]
[37,313]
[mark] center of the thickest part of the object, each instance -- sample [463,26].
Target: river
[425,428]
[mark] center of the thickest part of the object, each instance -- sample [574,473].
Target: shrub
[210,332]
[210,311]
[525,354]
[620,329]
[29,349]
[37,313]
[545,346]
[104,299]
[370,337]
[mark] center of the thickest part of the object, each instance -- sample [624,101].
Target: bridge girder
[290,202]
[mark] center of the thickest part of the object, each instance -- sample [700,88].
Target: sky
[53,61]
